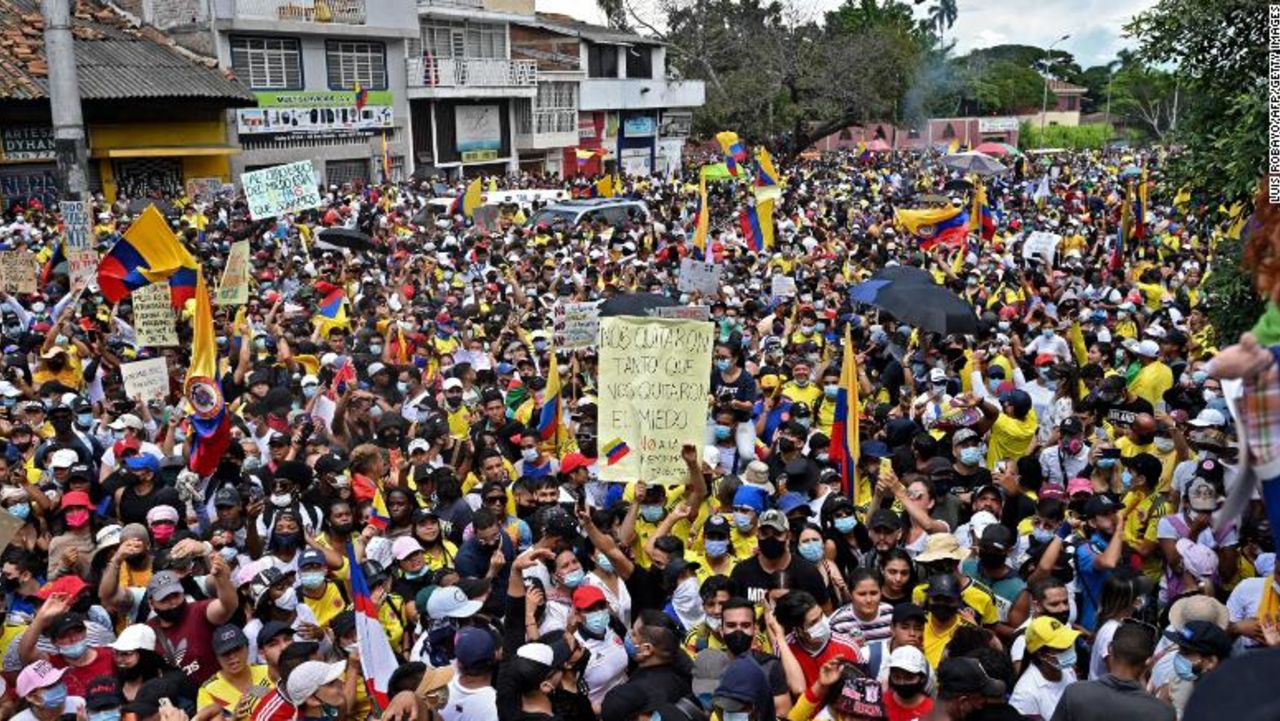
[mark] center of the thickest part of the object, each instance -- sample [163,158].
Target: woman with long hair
[897,577]
[1123,597]
[813,548]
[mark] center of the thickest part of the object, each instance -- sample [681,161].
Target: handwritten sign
[82,266]
[234,287]
[153,318]
[574,326]
[17,271]
[146,378]
[79,224]
[655,375]
[782,286]
[282,189]
[697,276]
[1041,245]
[686,312]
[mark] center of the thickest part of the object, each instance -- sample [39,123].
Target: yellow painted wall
[148,135]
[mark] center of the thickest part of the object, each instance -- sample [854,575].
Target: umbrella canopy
[878,146]
[635,304]
[904,274]
[998,149]
[928,307]
[1130,171]
[344,238]
[974,162]
[959,185]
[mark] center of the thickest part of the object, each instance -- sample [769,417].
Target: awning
[164,151]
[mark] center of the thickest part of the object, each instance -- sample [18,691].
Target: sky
[1095,26]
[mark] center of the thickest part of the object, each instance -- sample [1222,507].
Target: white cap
[310,380]
[1148,349]
[451,602]
[1209,417]
[63,458]
[405,546]
[451,383]
[308,677]
[375,368]
[127,420]
[937,375]
[137,637]
[711,456]
[539,652]
[328,359]
[979,523]
[418,444]
[909,659]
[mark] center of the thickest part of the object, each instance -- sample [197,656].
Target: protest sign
[686,312]
[574,326]
[9,527]
[782,286]
[77,223]
[697,276]
[234,287]
[323,411]
[153,318]
[17,271]
[655,375]
[282,189]
[148,379]
[1042,245]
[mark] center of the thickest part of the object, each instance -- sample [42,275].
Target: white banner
[283,189]
[698,276]
[1042,245]
[574,326]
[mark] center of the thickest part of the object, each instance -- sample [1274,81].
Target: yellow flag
[704,214]
[604,187]
[472,199]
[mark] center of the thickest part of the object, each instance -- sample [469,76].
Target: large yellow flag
[472,199]
[704,213]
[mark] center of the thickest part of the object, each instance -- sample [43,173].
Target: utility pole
[1044,97]
[64,101]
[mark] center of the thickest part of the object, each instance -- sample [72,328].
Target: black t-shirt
[645,587]
[743,388]
[754,582]
[1122,415]
[960,483]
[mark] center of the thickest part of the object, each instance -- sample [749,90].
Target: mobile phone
[886,467]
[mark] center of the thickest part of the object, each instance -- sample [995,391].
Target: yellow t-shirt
[973,595]
[797,394]
[218,690]
[1010,437]
[330,604]
[1143,512]
[1151,382]
[645,529]
[439,559]
[935,641]
[70,376]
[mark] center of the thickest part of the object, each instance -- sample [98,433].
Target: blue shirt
[1091,578]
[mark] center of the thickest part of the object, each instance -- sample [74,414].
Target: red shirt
[838,646]
[273,707]
[78,677]
[898,712]
[191,641]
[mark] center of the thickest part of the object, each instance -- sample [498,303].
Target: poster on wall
[310,113]
[640,126]
[479,130]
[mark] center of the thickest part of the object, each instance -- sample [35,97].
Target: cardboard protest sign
[17,271]
[282,189]
[234,287]
[148,379]
[77,224]
[1042,245]
[153,318]
[697,276]
[782,286]
[574,326]
[9,527]
[655,375]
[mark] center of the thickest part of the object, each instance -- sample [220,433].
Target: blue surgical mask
[375,349]
[811,551]
[1199,377]
[743,521]
[573,579]
[716,549]
[1066,659]
[311,579]
[84,420]
[723,432]
[993,384]
[229,553]
[20,511]
[309,391]
[1046,332]
[603,563]
[971,455]
[73,651]
[1041,535]
[1107,463]
[111,714]
[845,524]
[831,391]
[722,364]
[55,696]
[652,513]
[629,646]
[597,622]
[1126,479]
[402,386]
[1183,668]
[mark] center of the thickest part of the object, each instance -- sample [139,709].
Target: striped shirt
[846,621]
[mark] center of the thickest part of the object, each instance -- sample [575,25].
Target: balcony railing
[345,12]
[471,73]
[467,4]
[555,121]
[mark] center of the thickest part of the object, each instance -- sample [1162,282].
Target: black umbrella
[335,238]
[904,274]
[635,304]
[959,185]
[928,307]
[424,217]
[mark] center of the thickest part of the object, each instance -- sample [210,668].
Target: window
[639,62]
[352,62]
[602,61]
[268,63]
[339,172]
[444,39]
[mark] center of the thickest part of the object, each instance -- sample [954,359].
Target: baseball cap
[40,674]
[861,698]
[63,458]
[451,602]
[1079,485]
[937,375]
[675,567]
[1209,418]
[311,557]
[997,536]
[586,595]
[65,622]
[474,646]
[1201,637]
[1071,426]
[885,519]
[545,654]
[309,676]
[164,584]
[961,676]
[943,585]
[228,638]
[127,420]
[717,526]
[1100,506]
[573,461]
[1147,465]
[162,514]
[449,383]
[775,519]
[70,585]
[419,444]
[790,501]
[405,546]
[101,693]
[375,368]
[1148,349]
[1046,631]
[964,435]
[136,637]
[909,659]
[226,496]
[904,612]
[143,462]
[271,630]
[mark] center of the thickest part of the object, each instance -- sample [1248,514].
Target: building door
[338,172]
[149,177]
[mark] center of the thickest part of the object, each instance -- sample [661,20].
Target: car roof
[589,203]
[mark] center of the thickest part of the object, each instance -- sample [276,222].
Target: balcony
[546,129]
[348,18]
[344,12]
[641,94]
[471,77]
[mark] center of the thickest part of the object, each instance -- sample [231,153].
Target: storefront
[141,159]
[27,167]
[471,137]
[637,147]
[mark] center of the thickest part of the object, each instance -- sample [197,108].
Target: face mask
[807,329]
[1041,535]
[991,559]
[1183,668]
[110,714]
[1164,445]
[604,564]
[281,500]
[907,690]
[77,518]
[55,696]
[723,432]
[21,511]
[1126,479]
[287,601]
[831,391]
[402,386]
[1003,325]
[84,420]
[971,456]
[786,444]
[1199,377]
[717,549]
[173,615]
[312,579]
[229,553]
[1107,463]
[943,613]
[652,513]
[162,534]
[772,548]
[573,579]
[722,364]
[993,384]
[251,464]
[820,631]
[75,650]
[286,541]
[846,524]
[811,551]
[804,422]
[802,382]
[738,642]
[1066,660]
[375,349]
[414,575]
[529,455]
[1074,446]
[375,412]
[1209,394]
[597,622]
[630,647]
[743,521]
[309,392]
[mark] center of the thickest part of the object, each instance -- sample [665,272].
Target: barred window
[350,62]
[267,63]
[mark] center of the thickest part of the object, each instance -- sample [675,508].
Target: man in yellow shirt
[800,388]
[236,680]
[319,593]
[946,614]
[1013,426]
[1154,378]
[1143,509]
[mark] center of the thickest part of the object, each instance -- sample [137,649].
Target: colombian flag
[614,451]
[203,389]
[1140,208]
[148,253]
[362,96]
[58,257]
[984,224]
[332,308]
[377,660]
[733,151]
[768,181]
[550,413]
[947,225]
[845,443]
